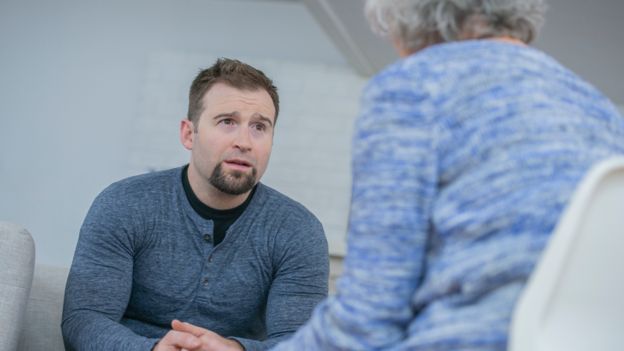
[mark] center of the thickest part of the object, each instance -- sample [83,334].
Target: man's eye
[226,121]
[259,127]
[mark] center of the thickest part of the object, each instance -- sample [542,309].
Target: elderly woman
[465,154]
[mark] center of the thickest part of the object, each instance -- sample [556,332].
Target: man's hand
[209,341]
[176,340]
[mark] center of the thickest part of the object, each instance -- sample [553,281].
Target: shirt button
[205,281]
[208,238]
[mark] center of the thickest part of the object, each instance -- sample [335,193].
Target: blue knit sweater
[464,156]
[145,257]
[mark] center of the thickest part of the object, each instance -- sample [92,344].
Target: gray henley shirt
[145,257]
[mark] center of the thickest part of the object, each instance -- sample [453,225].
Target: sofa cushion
[42,326]
[17,261]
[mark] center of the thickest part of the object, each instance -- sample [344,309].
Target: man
[205,249]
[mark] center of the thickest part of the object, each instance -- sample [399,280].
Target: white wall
[73,73]
[73,81]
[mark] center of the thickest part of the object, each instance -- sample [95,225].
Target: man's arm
[100,281]
[301,269]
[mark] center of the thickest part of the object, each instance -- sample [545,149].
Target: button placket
[208,238]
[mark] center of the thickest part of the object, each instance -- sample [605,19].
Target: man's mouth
[238,163]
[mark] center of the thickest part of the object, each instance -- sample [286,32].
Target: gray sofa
[31,296]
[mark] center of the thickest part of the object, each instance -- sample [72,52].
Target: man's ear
[187,133]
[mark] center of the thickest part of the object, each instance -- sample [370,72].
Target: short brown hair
[234,73]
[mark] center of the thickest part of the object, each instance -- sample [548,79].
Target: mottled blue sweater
[145,257]
[464,156]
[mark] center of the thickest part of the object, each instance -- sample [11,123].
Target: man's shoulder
[294,217]
[298,225]
[142,184]
[279,204]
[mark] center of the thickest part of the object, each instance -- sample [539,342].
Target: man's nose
[243,140]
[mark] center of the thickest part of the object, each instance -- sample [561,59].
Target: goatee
[233,183]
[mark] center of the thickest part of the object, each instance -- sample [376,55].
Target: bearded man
[203,256]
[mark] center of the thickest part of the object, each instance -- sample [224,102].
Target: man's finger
[188,328]
[181,339]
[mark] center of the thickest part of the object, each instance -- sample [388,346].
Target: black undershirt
[222,219]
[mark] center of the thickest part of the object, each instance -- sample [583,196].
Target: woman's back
[512,133]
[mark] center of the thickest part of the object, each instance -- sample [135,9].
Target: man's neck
[211,196]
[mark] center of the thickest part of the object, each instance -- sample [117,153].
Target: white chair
[574,299]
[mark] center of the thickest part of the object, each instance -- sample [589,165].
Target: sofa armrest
[17,261]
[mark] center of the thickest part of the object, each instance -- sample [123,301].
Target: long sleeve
[394,182]
[100,283]
[300,258]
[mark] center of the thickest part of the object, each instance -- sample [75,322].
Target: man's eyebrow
[226,114]
[263,118]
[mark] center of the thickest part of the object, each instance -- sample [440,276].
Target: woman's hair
[415,24]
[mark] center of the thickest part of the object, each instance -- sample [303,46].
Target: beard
[233,183]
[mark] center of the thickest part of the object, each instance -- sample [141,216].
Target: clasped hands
[188,337]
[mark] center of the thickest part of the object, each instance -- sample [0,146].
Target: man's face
[231,141]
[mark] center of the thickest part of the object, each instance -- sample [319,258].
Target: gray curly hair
[415,24]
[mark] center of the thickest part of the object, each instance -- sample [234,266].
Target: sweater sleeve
[300,278]
[100,281]
[394,182]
